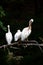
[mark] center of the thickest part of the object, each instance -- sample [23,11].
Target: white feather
[9,36]
[26,31]
[17,35]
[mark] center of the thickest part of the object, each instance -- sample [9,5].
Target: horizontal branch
[33,44]
[8,45]
[28,43]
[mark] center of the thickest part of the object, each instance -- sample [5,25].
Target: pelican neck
[8,29]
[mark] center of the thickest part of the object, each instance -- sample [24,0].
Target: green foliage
[2,13]
[3,27]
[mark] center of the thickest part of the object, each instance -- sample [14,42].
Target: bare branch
[28,43]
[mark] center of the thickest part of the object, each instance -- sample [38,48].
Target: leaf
[5,29]
[2,12]
[1,24]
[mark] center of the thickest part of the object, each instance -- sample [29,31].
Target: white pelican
[17,35]
[26,31]
[8,36]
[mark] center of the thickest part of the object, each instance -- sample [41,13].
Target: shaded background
[18,14]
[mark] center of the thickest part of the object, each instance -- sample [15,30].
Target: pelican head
[31,20]
[8,26]
[18,30]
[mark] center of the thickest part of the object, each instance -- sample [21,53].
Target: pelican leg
[19,42]
[27,39]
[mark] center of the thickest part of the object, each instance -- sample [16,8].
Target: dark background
[18,14]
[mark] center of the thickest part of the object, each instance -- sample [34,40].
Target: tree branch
[28,43]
